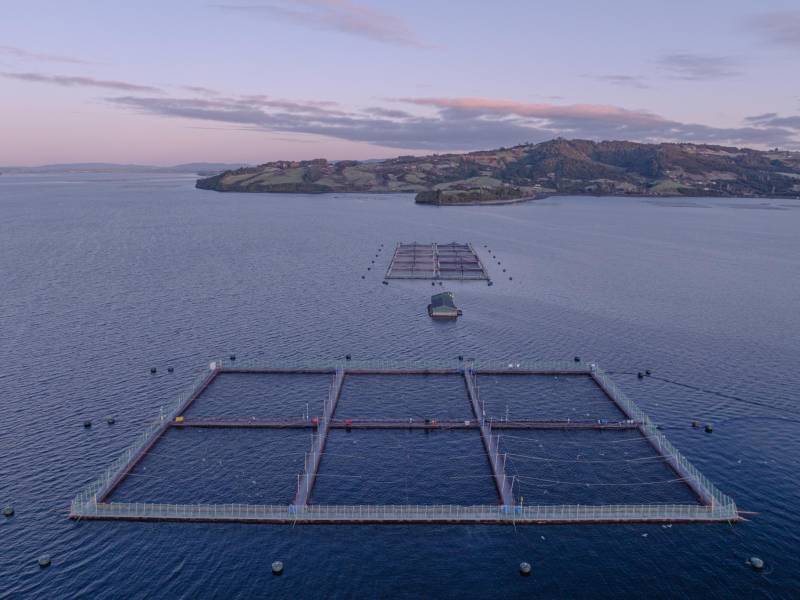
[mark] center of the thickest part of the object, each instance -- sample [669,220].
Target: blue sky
[251,81]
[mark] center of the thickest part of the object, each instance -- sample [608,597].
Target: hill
[537,170]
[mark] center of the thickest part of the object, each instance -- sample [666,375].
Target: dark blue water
[441,397]
[257,396]
[103,277]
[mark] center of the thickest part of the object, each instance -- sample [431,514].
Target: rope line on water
[587,484]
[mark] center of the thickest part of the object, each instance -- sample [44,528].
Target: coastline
[503,202]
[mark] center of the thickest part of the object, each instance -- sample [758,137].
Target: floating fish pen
[451,261]
[462,441]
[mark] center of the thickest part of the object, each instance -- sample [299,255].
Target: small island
[530,171]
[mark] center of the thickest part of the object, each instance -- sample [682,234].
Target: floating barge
[96,501]
[453,261]
[443,308]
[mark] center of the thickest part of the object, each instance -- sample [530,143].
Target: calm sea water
[102,277]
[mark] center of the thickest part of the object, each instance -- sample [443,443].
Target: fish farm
[462,441]
[451,261]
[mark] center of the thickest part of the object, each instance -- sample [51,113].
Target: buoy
[647,372]
[111,420]
[433,283]
[8,511]
[640,375]
[504,270]
[695,424]
[385,282]
[756,563]
[510,278]
[233,357]
[277,567]
[577,359]
[363,277]
[347,357]
[369,268]
[709,428]
[525,568]
[170,369]
[44,561]
[490,284]
[152,369]
[460,357]
[87,423]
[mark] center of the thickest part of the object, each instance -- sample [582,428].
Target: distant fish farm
[451,261]
[453,441]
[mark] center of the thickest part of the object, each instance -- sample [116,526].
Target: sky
[173,81]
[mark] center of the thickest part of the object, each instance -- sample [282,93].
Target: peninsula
[560,166]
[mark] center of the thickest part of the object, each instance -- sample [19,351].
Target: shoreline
[506,201]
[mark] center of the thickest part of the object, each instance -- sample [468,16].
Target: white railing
[721,508]
[409,513]
[167,413]
[661,442]
[450,364]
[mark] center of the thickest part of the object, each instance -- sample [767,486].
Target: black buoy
[363,277]
[347,357]
[460,357]
[695,424]
[369,268]
[709,428]
[433,283]
[44,561]
[524,569]
[8,511]
[440,283]
[490,284]
[233,357]
[373,262]
[756,563]
[277,567]
[640,375]
[111,420]
[170,369]
[384,282]
[87,424]
[577,359]
[152,369]
[648,372]
[504,270]
[510,278]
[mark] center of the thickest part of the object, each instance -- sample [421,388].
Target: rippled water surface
[102,277]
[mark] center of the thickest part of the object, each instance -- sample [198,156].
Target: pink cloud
[538,110]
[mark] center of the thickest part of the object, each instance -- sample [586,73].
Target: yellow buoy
[179,419]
